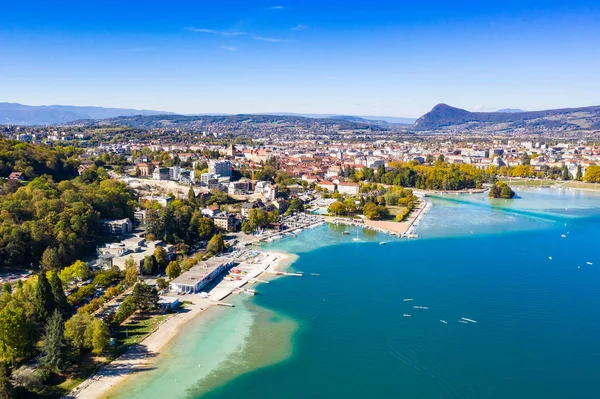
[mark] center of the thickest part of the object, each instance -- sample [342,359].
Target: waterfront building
[198,276]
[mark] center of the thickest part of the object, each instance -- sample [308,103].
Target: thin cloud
[217,32]
[300,27]
[238,33]
[229,48]
[268,39]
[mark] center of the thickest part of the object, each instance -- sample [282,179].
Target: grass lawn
[531,183]
[580,184]
[394,210]
[138,327]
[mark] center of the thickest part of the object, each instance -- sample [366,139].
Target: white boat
[550,257]
[418,307]
[382,243]
[406,315]
[564,236]
[444,321]
[589,263]
[468,320]
[408,299]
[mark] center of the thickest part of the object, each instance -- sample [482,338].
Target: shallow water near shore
[340,330]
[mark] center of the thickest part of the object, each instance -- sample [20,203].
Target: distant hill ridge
[19,114]
[443,115]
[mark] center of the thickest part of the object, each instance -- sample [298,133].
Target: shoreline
[138,357]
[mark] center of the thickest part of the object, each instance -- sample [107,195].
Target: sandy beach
[140,357]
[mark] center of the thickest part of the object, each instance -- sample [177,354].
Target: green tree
[338,208]
[173,270]
[14,333]
[100,336]
[131,276]
[58,293]
[75,331]
[7,288]
[78,270]
[54,356]
[246,227]
[215,245]
[579,174]
[191,195]
[144,297]
[149,265]
[50,259]
[6,387]
[565,173]
[44,299]
[161,283]
[160,255]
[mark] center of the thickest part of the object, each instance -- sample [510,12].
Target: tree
[161,283]
[6,388]
[50,259]
[205,228]
[372,211]
[7,288]
[149,265]
[501,190]
[100,336]
[173,270]
[565,173]
[58,293]
[160,255]
[75,331]
[215,245]
[131,276]
[191,195]
[44,299]
[144,296]
[338,208]
[592,174]
[579,174]
[78,270]
[14,333]
[54,346]
[246,227]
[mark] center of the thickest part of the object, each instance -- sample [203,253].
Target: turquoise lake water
[342,334]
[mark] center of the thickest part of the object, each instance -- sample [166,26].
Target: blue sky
[375,57]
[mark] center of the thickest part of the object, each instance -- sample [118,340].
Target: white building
[348,188]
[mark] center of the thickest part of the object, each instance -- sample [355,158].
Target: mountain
[443,115]
[19,114]
[197,122]
[511,110]
[363,118]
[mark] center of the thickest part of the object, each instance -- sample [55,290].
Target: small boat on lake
[589,263]
[468,320]
[408,299]
[406,315]
[346,233]
[444,321]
